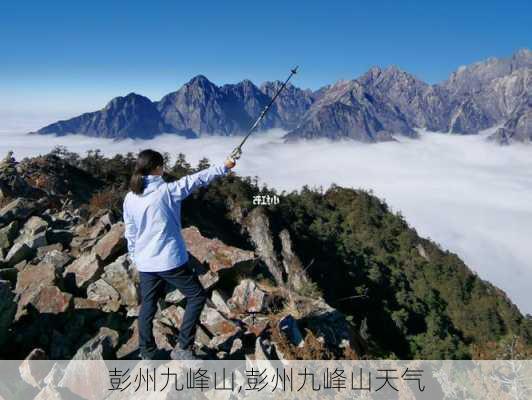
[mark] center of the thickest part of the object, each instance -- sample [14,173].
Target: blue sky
[70,56]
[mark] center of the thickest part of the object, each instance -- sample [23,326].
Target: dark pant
[152,286]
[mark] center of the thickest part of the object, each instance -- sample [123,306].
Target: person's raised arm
[183,187]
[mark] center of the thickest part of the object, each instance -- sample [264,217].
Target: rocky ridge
[69,290]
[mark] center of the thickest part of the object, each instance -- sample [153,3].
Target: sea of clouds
[470,196]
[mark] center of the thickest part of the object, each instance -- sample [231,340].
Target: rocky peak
[199,80]
[474,77]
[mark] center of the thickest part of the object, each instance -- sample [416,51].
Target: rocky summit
[320,275]
[382,104]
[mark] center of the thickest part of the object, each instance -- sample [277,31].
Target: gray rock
[224,342]
[100,347]
[33,373]
[104,295]
[296,275]
[19,252]
[216,323]
[33,241]
[84,270]
[49,393]
[19,209]
[257,226]
[220,303]
[35,225]
[45,299]
[37,275]
[113,244]
[91,383]
[248,298]
[8,234]
[174,297]
[56,257]
[123,279]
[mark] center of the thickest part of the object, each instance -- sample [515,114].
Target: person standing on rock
[152,216]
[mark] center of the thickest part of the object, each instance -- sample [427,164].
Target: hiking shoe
[178,353]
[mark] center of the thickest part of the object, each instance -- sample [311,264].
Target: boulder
[8,234]
[80,245]
[208,279]
[43,251]
[33,241]
[256,325]
[54,376]
[237,349]
[172,316]
[327,322]
[33,373]
[174,297]
[19,252]
[91,383]
[220,303]
[263,349]
[100,347]
[21,265]
[224,342]
[214,252]
[32,276]
[216,323]
[81,303]
[257,225]
[35,225]
[113,244]
[165,336]
[123,279]
[51,300]
[248,298]
[55,257]
[295,272]
[132,343]
[101,225]
[49,393]
[104,295]
[19,209]
[84,271]
[8,308]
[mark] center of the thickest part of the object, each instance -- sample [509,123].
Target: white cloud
[472,197]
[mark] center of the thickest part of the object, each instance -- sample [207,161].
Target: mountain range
[379,105]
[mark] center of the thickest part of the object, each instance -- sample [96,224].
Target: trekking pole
[237,152]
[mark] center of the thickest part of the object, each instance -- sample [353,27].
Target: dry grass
[313,348]
[107,200]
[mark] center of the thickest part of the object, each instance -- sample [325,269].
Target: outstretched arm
[183,187]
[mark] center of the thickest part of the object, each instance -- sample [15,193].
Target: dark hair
[147,161]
